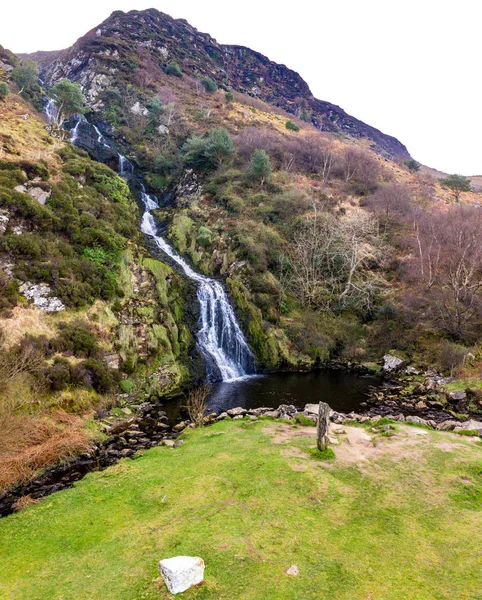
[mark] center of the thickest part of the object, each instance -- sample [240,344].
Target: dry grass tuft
[196,403]
[23,502]
[25,137]
[30,444]
[26,320]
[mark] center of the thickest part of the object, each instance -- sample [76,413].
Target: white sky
[410,68]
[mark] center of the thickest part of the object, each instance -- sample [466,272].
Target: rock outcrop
[40,294]
[125,42]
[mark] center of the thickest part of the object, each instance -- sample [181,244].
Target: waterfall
[50,110]
[100,137]
[75,131]
[126,168]
[220,338]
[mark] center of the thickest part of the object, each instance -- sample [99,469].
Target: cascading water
[100,137]
[220,339]
[50,110]
[126,168]
[75,131]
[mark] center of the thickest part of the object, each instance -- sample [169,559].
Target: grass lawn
[389,517]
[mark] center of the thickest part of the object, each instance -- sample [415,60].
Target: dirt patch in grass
[357,446]
[448,446]
[282,433]
[293,452]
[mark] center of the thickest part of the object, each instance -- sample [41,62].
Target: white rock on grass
[39,293]
[4,219]
[392,363]
[137,109]
[181,572]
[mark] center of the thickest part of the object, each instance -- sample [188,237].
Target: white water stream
[220,339]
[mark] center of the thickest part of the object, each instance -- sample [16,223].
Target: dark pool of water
[342,390]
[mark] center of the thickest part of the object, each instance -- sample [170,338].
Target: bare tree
[169,113]
[447,262]
[329,262]
[391,203]
[24,358]
[360,167]
[315,153]
[350,161]
[197,403]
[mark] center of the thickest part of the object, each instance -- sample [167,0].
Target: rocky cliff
[127,43]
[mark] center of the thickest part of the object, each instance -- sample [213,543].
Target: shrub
[260,166]
[88,227]
[8,292]
[58,374]
[25,245]
[31,169]
[4,90]
[208,152]
[258,244]
[412,165]
[174,69]
[209,85]
[163,163]
[95,374]
[204,236]
[235,205]
[451,356]
[292,126]
[291,203]
[126,386]
[76,338]
[229,97]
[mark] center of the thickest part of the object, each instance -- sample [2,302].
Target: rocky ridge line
[97,59]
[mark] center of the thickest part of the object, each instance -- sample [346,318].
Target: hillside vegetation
[331,242]
[71,224]
[326,254]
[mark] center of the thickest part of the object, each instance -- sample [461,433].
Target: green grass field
[389,518]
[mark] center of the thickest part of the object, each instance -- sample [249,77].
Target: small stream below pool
[342,390]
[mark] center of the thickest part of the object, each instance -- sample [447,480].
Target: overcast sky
[411,68]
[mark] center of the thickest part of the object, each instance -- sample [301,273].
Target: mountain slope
[127,43]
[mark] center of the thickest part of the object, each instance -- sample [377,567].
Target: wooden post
[322,428]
